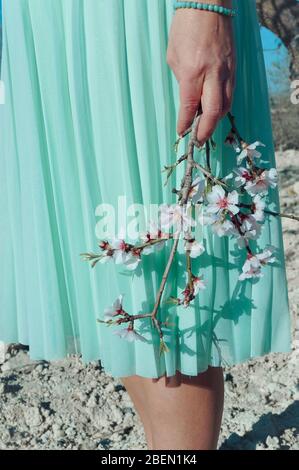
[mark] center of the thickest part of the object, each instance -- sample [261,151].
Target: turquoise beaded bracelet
[205,6]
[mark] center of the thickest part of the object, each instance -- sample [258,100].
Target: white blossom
[123,254]
[198,285]
[132,261]
[250,152]
[250,229]
[253,264]
[223,227]
[120,254]
[219,201]
[197,191]
[232,140]
[243,176]
[228,177]
[251,269]
[258,208]
[106,256]
[260,185]
[153,233]
[220,225]
[129,334]
[115,309]
[177,216]
[194,247]
[267,256]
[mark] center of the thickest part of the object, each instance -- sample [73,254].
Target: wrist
[222,7]
[222,3]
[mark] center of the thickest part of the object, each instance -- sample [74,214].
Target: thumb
[190,96]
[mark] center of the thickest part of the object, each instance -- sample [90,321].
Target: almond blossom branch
[185,190]
[153,242]
[132,318]
[117,310]
[274,213]
[221,209]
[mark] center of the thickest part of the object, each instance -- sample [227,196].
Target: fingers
[190,96]
[228,91]
[227,98]
[212,95]
[212,108]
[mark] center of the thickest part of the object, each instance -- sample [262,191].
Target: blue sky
[270,43]
[271,51]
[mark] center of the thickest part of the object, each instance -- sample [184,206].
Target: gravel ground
[66,405]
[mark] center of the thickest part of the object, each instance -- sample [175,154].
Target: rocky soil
[65,405]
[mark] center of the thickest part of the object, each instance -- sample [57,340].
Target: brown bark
[282,18]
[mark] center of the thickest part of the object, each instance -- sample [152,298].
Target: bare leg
[136,388]
[179,412]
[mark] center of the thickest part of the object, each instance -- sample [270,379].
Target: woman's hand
[202,56]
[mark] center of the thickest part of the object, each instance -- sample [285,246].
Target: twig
[170,169]
[238,225]
[208,156]
[235,130]
[274,213]
[208,174]
[281,214]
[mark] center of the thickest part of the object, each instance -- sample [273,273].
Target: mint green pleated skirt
[90,115]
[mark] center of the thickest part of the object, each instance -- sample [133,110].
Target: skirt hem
[108,370]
